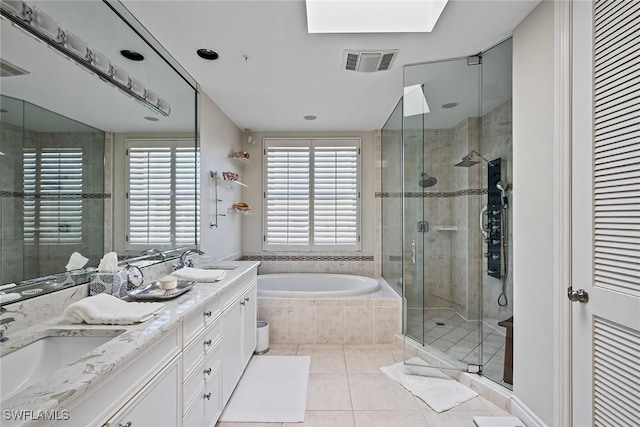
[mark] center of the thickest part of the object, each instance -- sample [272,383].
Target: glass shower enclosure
[446,155]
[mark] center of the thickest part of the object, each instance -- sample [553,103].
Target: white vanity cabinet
[201,366]
[157,404]
[238,337]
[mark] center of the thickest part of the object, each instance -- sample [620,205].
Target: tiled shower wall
[20,260]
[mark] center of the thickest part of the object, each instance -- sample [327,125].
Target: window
[312,195]
[52,207]
[162,210]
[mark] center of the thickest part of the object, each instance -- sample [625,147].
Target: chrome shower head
[466,163]
[427,181]
[468,160]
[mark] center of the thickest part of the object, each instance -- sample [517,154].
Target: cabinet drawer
[235,289]
[205,411]
[201,377]
[201,318]
[201,347]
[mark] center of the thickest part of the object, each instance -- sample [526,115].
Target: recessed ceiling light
[381,16]
[132,55]
[449,105]
[310,117]
[151,118]
[207,54]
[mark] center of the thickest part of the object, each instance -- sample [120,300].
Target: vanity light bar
[45,28]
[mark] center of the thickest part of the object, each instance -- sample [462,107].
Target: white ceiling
[290,73]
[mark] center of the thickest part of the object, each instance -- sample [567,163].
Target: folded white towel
[199,274]
[104,309]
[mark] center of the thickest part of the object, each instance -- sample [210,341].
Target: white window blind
[287,196]
[162,189]
[311,195]
[53,195]
[335,196]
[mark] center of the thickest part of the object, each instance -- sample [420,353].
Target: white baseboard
[526,415]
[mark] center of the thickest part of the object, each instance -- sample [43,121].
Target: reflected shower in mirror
[80,86]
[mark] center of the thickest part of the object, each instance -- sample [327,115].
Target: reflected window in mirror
[162,189]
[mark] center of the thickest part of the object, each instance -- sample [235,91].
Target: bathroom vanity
[178,369]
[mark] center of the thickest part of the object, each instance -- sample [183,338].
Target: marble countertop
[62,389]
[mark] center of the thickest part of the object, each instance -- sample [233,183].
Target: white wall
[218,137]
[533,195]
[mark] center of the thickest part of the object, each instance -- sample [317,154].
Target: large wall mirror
[98,139]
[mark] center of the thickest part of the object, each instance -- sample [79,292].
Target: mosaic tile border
[306,258]
[436,194]
[22,195]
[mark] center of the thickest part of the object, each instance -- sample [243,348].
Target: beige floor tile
[376,392]
[449,419]
[320,347]
[325,419]
[367,361]
[328,361]
[282,350]
[389,418]
[224,424]
[328,392]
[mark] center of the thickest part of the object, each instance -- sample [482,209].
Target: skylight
[373,16]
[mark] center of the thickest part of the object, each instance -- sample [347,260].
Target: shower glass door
[441,212]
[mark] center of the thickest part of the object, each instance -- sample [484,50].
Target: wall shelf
[242,161]
[239,212]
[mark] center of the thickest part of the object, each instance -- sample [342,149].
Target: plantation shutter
[52,206]
[311,195]
[187,210]
[287,195]
[335,200]
[150,207]
[162,190]
[29,202]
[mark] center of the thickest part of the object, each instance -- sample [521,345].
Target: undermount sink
[32,363]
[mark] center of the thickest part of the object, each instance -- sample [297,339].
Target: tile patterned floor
[459,339]
[347,389]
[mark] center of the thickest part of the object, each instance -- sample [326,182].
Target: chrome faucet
[154,251]
[184,262]
[5,321]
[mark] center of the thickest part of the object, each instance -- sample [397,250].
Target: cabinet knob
[207,371]
[207,343]
[247,299]
[207,313]
[128,424]
[207,396]
[243,302]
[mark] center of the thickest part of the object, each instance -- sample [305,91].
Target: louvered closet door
[606,213]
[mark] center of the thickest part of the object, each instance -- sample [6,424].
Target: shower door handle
[413,252]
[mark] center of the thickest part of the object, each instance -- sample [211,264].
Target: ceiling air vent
[368,61]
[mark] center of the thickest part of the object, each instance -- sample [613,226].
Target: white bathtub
[314,285]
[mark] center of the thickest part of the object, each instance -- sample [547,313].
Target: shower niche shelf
[453,228]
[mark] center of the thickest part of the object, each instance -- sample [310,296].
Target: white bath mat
[498,422]
[430,385]
[273,389]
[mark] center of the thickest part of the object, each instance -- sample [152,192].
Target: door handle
[413,252]
[579,295]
